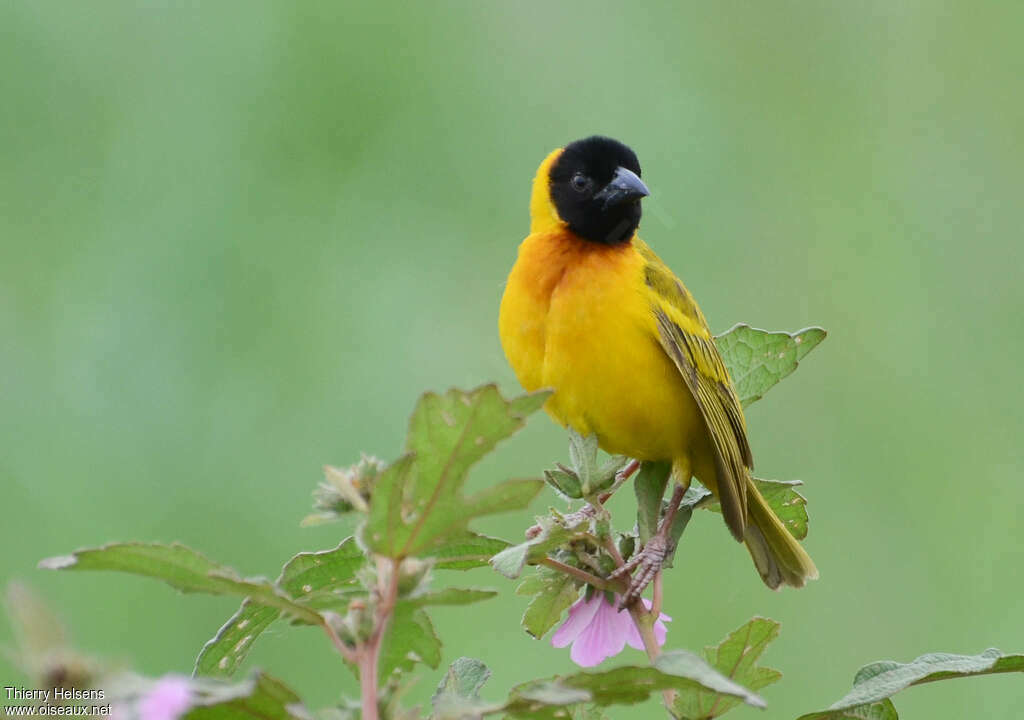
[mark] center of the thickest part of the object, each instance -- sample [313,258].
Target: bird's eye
[580,182]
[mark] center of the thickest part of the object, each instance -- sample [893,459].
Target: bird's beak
[625,185]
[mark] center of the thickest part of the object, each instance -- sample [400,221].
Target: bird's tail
[779,558]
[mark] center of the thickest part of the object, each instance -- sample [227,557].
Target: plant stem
[368,680]
[368,653]
[644,622]
[588,578]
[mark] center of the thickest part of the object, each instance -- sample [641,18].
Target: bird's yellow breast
[577,317]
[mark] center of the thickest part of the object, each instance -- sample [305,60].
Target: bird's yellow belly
[610,375]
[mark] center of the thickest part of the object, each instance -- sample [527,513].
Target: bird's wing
[684,335]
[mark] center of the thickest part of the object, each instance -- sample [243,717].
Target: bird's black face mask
[596,188]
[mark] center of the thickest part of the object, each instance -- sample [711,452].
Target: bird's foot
[647,563]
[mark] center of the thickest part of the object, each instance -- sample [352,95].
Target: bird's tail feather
[779,558]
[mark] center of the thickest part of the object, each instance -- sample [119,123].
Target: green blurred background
[237,240]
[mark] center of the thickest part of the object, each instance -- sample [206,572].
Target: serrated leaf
[736,657]
[262,697]
[417,502]
[466,551]
[553,593]
[758,359]
[878,681]
[675,670]
[305,577]
[181,568]
[649,486]
[511,561]
[503,497]
[784,500]
[458,694]
[224,653]
[451,596]
[565,483]
[593,475]
[410,638]
[883,710]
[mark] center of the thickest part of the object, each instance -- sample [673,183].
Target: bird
[592,313]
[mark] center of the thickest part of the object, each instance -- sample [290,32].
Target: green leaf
[458,694]
[511,561]
[417,503]
[306,577]
[758,359]
[593,475]
[878,681]
[465,551]
[788,504]
[649,485]
[451,596]
[675,670]
[883,710]
[410,638]
[553,593]
[736,657]
[223,654]
[262,697]
[181,568]
[696,496]
[564,482]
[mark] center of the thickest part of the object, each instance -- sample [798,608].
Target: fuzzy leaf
[306,577]
[878,681]
[410,638]
[466,551]
[649,485]
[511,561]
[593,475]
[344,490]
[451,596]
[417,502]
[676,670]
[553,593]
[882,710]
[458,694]
[262,697]
[784,500]
[736,657]
[758,359]
[181,568]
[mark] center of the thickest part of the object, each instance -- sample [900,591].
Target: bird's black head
[596,188]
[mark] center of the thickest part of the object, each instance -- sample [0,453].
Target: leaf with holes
[316,578]
[736,658]
[758,359]
[417,502]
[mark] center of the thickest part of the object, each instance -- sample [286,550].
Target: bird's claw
[647,563]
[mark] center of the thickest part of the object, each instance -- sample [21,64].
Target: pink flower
[597,630]
[168,700]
